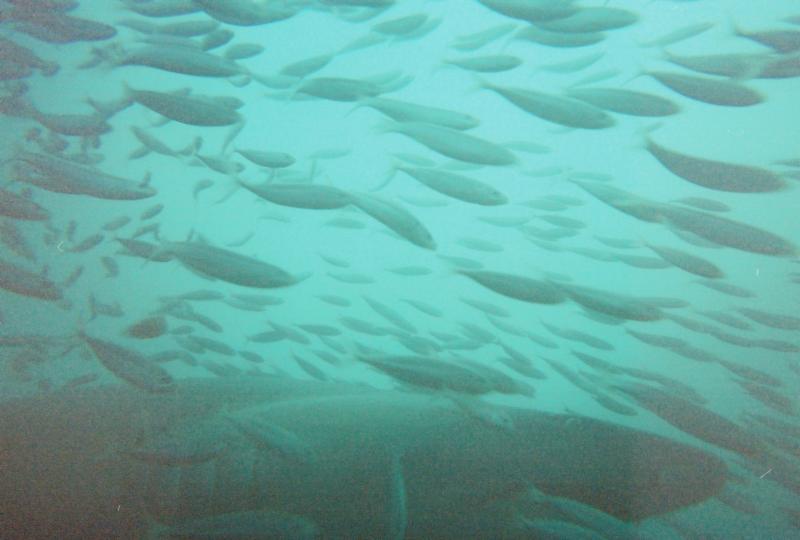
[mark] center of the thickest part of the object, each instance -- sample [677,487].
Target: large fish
[70,450]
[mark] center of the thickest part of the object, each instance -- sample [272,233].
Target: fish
[390,314]
[273,438]
[111,266]
[780,41]
[561,110]
[727,232]
[151,212]
[701,203]
[217,39]
[430,373]
[130,365]
[494,63]
[580,337]
[591,19]
[23,208]
[479,244]
[241,51]
[404,111]
[395,217]
[712,91]
[151,144]
[456,186]
[147,328]
[13,52]
[694,419]
[688,262]
[205,343]
[532,11]
[559,39]
[679,34]
[624,101]
[63,176]
[77,125]
[576,64]
[518,287]
[187,109]
[272,160]
[351,277]
[163,8]
[716,175]
[307,66]
[780,321]
[476,40]
[218,263]
[117,223]
[182,60]
[307,196]
[21,281]
[611,304]
[246,12]
[454,144]
[425,308]
[339,88]
[54,27]
[87,243]
[734,65]
[144,250]
[334,300]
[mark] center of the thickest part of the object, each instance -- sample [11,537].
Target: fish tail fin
[127,90]
[391,173]
[312,171]
[441,66]
[639,72]
[146,180]
[359,103]
[234,131]
[234,187]
[734,27]
[386,126]
[479,83]
[160,121]
[191,148]
[643,133]
[92,311]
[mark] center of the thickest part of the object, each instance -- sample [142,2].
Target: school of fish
[378,269]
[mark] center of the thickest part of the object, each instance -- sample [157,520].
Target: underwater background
[488,213]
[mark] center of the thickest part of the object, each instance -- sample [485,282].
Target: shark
[109,461]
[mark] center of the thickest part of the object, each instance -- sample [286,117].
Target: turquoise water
[485,308]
